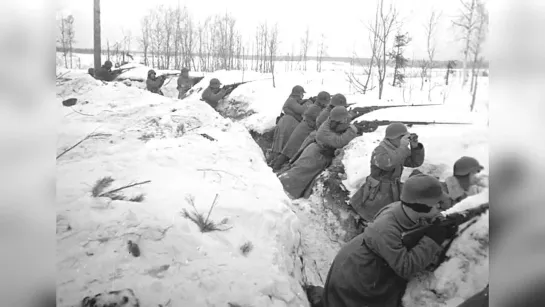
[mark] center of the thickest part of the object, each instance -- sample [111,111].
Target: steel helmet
[466,165]
[151,71]
[422,189]
[108,64]
[215,81]
[338,114]
[323,96]
[395,130]
[338,100]
[297,90]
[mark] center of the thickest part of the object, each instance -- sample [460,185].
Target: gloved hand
[361,129]
[413,137]
[404,141]
[437,233]
[451,231]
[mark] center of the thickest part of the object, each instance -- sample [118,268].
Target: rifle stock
[412,237]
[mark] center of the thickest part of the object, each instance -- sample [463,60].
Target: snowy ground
[149,137]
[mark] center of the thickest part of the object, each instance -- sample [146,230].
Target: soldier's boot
[279,162]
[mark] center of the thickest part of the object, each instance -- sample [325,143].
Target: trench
[327,219]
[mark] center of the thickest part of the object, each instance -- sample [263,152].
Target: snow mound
[464,273]
[190,155]
[444,144]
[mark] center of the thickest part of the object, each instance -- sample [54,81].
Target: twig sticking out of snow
[90,135]
[205,224]
[123,188]
[105,182]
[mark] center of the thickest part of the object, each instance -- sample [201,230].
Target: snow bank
[143,136]
[444,144]
[464,273]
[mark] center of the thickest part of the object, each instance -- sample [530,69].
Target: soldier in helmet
[303,129]
[318,155]
[373,269]
[336,100]
[153,83]
[212,94]
[293,110]
[397,150]
[104,73]
[323,99]
[463,182]
[184,83]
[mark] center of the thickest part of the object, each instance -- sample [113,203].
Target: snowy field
[148,137]
[144,137]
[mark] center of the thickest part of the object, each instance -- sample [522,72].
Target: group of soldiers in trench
[211,95]
[372,269]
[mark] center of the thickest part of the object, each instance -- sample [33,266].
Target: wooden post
[96,23]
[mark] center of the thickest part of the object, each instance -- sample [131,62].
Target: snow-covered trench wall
[191,156]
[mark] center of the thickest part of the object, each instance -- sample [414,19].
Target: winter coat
[104,74]
[383,186]
[211,98]
[293,114]
[456,193]
[154,85]
[373,269]
[314,159]
[323,115]
[303,129]
[184,84]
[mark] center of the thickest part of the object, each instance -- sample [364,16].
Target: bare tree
[481,32]
[273,48]
[321,50]
[466,21]
[63,40]
[384,28]
[305,45]
[431,27]
[450,66]
[145,39]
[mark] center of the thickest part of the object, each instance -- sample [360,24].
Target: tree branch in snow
[123,188]
[90,135]
[205,224]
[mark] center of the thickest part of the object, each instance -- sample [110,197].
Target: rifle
[411,238]
[168,75]
[364,110]
[121,70]
[229,88]
[371,126]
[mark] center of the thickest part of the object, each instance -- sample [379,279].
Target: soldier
[153,84]
[104,73]
[373,269]
[212,94]
[463,183]
[293,110]
[184,83]
[336,100]
[305,127]
[323,99]
[318,155]
[383,186]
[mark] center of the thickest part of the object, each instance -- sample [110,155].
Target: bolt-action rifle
[411,238]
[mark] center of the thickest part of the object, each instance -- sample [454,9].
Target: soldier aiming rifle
[411,238]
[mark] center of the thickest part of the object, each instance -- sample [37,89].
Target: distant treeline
[361,61]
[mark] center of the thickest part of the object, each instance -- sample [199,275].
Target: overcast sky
[342,21]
